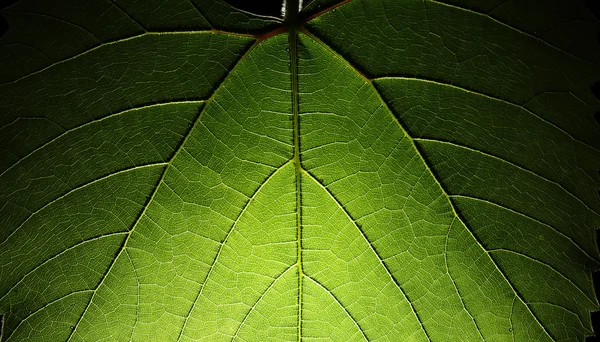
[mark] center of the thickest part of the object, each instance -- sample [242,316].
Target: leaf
[386,170]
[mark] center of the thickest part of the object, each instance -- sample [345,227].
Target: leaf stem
[292,7]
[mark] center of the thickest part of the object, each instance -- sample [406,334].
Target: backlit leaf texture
[387,170]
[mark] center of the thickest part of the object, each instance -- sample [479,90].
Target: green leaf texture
[388,170]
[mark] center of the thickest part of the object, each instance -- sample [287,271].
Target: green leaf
[367,170]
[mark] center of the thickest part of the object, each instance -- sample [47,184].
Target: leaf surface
[386,171]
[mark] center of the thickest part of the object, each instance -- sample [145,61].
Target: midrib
[291,21]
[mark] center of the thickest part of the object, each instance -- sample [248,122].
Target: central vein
[295,110]
[293,36]
[291,19]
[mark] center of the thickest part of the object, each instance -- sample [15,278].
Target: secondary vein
[442,189]
[123,247]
